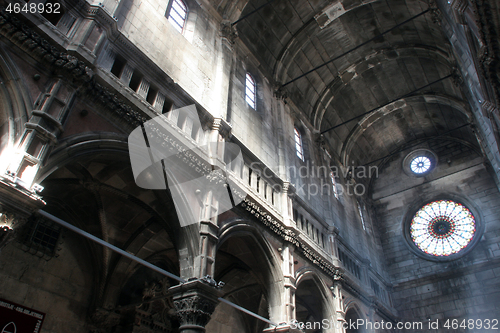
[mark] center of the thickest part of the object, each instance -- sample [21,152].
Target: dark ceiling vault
[371,75]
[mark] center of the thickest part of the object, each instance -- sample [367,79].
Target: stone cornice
[289,235]
[65,64]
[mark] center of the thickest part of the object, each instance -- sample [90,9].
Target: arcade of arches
[363,134]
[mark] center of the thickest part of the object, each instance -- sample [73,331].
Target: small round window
[420,164]
[442,228]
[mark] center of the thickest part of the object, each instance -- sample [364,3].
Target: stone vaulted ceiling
[292,37]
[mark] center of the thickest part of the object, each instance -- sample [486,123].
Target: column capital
[194,302]
[228,32]
[217,123]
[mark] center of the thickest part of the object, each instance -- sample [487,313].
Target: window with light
[360,211]
[420,164]
[298,145]
[334,185]
[177,14]
[442,228]
[250,90]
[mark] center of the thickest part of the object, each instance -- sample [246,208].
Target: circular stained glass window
[420,164]
[442,228]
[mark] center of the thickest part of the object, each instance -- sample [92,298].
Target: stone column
[333,233]
[143,88]
[107,59]
[223,62]
[159,102]
[194,302]
[288,268]
[338,303]
[126,74]
[213,139]
[208,243]
[286,205]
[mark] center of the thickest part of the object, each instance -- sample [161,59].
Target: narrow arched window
[334,184]
[360,210]
[298,144]
[250,90]
[177,14]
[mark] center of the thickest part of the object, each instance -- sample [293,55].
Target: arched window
[250,90]
[334,184]
[177,14]
[360,210]
[298,144]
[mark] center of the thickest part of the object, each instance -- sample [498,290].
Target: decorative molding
[194,310]
[289,235]
[228,32]
[65,64]
[435,12]
[10,224]
[195,301]
[280,93]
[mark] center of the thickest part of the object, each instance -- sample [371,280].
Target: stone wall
[463,288]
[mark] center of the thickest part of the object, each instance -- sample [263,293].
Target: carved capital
[194,302]
[489,108]
[457,77]
[13,218]
[286,186]
[216,125]
[435,12]
[320,140]
[228,32]
[280,93]
[338,275]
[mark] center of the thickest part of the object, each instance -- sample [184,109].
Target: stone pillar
[126,75]
[224,61]
[205,263]
[143,88]
[194,302]
[173,116]
[213,139]
[107,59]
[288,268]
[333,233]
[159,102]
[286,205]
[338,303]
